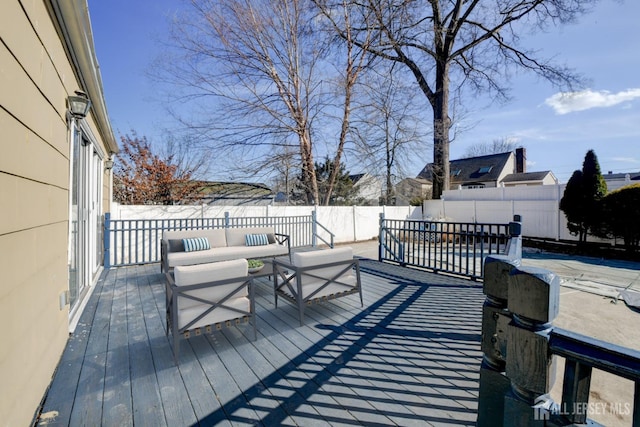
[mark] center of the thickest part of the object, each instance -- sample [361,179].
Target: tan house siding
[36,76]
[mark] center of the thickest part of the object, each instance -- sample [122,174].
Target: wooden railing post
[534,297]
[314,228]
[494,384]
[106,237]
[381,238]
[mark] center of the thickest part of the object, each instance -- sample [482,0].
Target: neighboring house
[367,188]
[55,182]
[530,178]
[236,194]
[619,180]
[493,170]
[412,188]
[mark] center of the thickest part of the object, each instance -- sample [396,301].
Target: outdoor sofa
[202,246]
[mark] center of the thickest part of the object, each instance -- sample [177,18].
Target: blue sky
[556,129]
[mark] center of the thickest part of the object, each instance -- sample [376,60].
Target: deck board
[145,389]
[117,404]
[410,356]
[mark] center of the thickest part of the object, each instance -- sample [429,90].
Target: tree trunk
[389,165]
[441,177]
[343,138]
[308,169]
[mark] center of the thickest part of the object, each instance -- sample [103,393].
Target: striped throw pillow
[196,244]
[256,239]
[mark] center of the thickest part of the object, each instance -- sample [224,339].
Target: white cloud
[568,102]
[625,159]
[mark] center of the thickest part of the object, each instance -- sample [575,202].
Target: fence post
[106,238]
[514,247]
[534,299]
[381,238]
[353,218]
[314,228]
[226,220]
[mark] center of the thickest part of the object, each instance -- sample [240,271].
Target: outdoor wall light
[108,165]
[79,104]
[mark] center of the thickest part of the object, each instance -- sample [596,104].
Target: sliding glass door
[85,254]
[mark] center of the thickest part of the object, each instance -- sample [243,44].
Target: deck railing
[519,341]
[137,241]
[452,247]
[582,354]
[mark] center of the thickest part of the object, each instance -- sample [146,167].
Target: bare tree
[457,44]
[390,134]
[499,145]
[268,80]
[285,166]
[355,60]
[250,67]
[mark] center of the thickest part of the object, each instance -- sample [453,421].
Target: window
[456,172]
[485,169]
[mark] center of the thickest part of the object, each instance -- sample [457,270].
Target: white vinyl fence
[539,207]
[347,223]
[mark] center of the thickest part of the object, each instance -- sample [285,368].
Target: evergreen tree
[343,192]
[571,204]
[620,213]
[582,196]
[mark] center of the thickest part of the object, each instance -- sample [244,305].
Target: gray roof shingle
[472,169]
[529,176]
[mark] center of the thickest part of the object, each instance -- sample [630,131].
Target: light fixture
[79,104]
[108,165]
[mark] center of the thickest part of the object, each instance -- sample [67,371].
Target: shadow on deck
[411,356]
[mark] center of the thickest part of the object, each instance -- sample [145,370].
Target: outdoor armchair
[316,276]
[206,297]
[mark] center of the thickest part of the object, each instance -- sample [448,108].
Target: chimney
[521,160]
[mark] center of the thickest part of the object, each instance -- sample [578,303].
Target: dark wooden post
[494,384]
[534,297]
[381,238]
[575,390]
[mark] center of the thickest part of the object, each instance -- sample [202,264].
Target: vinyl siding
[35,79]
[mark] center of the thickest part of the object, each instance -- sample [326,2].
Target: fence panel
[298,228]
[539,206]
[135,231]
[137,241]
[452,247]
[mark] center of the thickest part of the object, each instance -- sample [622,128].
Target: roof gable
[481,168]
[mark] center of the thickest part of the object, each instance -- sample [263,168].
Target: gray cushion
[176,245]
[216,236]
[190,275]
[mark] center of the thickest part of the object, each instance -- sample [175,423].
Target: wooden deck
[410,356]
